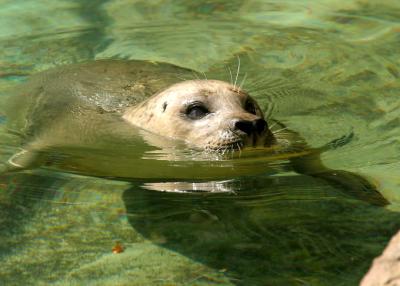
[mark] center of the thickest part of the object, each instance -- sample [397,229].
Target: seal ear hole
[250,107]
[164,106]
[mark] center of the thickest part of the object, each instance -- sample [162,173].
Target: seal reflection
[272,231]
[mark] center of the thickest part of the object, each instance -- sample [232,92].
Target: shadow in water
[288,230]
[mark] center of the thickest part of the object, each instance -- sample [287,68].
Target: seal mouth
[227,147]
[234,142]
[241,144]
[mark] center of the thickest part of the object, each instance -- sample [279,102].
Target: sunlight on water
[324,69]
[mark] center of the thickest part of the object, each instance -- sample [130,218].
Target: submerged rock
[385,269]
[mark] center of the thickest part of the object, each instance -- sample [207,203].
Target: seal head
[207,114]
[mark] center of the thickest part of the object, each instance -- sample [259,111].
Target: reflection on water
[321,68]
[276,230]
[281,232]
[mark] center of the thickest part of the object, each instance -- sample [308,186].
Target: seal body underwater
[84,103]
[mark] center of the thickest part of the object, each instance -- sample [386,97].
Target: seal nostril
[245,126]
[260,125]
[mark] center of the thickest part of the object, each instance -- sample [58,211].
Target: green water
[321,67]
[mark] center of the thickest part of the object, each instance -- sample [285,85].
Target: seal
[208,114]
[83,105]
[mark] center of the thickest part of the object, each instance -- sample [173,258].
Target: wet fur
[65,100]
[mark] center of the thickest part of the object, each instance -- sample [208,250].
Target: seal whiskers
[279,130]
[243,81]
[230,73]
[237,73]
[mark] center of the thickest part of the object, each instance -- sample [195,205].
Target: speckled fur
[164,114]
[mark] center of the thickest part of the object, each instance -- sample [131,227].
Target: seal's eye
[196,111]
[250,107]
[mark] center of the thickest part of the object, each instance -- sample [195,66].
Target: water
[321,68]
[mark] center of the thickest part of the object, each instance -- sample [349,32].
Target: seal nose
[261,125]
[249,127]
